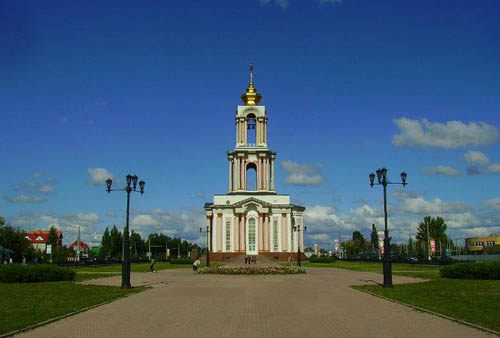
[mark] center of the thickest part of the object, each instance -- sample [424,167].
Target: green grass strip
[24,305]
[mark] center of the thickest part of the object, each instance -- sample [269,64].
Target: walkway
[317,304]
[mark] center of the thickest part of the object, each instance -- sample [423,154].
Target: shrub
[321,259]
[181,261]
[18,273]
[490,270]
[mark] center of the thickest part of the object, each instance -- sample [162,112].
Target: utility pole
[78,252]
[428,244]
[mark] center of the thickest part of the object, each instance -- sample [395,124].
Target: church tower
[252,219]
[251,151]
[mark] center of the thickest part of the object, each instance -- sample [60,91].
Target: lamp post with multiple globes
[382,180]
[130,187]
[299,230]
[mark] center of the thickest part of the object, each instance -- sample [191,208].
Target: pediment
[251,201]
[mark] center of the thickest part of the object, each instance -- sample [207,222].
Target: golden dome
[251,97]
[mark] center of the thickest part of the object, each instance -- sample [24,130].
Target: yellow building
[478,244]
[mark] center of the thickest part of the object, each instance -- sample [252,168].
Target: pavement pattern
[317,304]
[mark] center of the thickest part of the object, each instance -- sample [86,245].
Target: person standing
[152,265]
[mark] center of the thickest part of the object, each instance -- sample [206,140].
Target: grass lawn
[135,267]
[86,276]
[475,301]
[22,305]
[398,269]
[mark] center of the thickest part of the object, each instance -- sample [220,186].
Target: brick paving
[318,304]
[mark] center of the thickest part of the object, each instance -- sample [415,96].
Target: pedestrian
[196,263]
[152,265]
[246,259]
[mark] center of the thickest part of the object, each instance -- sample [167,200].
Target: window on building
[228,236]
[275,235]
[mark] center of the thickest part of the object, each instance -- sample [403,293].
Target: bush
[181,261]
[490,270]
[18,273]
[321,259]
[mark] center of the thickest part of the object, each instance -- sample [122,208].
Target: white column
[245,140]
[272,174]
[230,176]
[244,173]
[289,230]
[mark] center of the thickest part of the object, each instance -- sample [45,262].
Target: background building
[40,238]
[483,244]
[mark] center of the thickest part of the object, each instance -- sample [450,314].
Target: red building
[39,238]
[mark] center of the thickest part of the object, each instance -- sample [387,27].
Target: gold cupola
[251,97]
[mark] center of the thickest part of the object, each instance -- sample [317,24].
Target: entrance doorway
[251,237]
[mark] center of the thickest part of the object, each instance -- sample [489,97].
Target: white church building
[252,219]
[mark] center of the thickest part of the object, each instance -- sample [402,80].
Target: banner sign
[381,241]
[336,245]
[433,245]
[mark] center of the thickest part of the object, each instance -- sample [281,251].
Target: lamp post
[298,230]
[208,243]
[130,187]
[382,180]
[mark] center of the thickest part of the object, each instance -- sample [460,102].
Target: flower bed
[253,270]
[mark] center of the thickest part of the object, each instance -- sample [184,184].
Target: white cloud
[475,158]
[449,135]
[441,170]
[493,169]
[302,174]
[98,176]
[144,220]
[493,203]
[20,198]
[47,189]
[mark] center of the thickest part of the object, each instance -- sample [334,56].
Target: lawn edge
[55,319]
[460,321]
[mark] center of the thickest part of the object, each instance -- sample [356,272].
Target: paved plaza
[317,304]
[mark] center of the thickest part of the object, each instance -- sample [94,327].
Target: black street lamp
[386,260]
[298,230]
[131,180]
[208,243]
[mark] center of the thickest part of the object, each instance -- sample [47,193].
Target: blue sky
[91,88]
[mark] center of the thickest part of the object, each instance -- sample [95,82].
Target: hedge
[181,261]
[321,259]
[490,270]
[20,273]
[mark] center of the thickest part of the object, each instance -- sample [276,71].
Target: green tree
[411,246]
[137,245]
[105,244]
[374,237]
[436,228]
[116,243]
[14,239]
[53,239]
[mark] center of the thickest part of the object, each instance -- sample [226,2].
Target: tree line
[112,243]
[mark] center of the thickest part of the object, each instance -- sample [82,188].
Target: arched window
[251,177]
[251,130]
